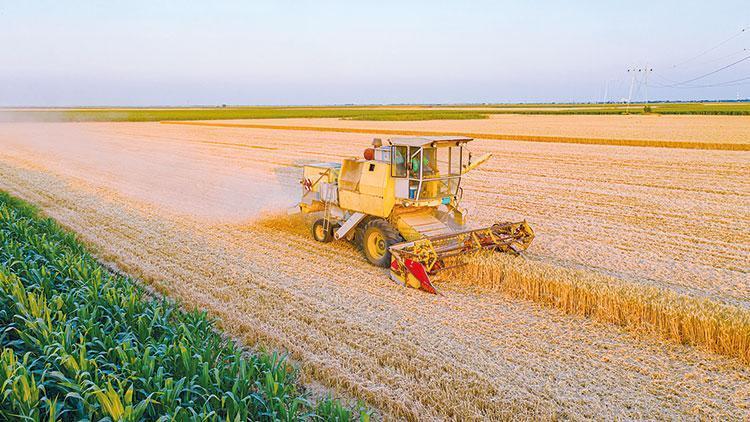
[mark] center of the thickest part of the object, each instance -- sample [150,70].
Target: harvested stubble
[702,322]
[178,206]
[693,132]
[476,135]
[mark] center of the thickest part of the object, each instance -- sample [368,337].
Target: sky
[140,53]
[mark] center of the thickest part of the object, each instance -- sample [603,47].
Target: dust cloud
[191,180]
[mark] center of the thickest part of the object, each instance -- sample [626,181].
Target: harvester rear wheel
[379,235]
[359,236]
[320,233]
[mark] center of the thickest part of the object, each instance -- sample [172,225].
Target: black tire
[319,232]
[378,236]
[359,233]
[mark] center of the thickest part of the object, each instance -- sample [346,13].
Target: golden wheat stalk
[702,322]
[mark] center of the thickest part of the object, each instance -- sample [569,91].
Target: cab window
[398,161]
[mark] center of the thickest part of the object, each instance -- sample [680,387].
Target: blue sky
[328,52]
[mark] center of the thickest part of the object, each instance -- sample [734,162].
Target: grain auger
[401,206]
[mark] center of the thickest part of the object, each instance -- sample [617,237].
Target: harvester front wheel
[359,235]
[320,233]
[379,235]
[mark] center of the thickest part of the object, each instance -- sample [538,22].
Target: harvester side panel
[374,179]
[351,171]
[367,187]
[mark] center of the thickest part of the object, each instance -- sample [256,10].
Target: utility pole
[630,91]
[606,90]
[607,83]
[646,70]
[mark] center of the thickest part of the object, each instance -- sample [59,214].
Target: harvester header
[400,204]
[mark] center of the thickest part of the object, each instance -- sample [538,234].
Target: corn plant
[79,342]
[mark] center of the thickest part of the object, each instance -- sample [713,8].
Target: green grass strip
[371,113]
[154,115]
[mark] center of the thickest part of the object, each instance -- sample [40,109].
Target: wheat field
[662,312]
[668,131]
[197,212]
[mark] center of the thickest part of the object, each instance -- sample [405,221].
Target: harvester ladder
[327,200]
[325,197]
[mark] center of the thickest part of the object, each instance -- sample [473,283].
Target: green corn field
[80,343]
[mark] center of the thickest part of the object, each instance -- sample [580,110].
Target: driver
[416,164]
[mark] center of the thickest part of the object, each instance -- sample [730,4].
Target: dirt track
[180,206]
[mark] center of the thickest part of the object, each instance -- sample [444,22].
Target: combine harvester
[400,205]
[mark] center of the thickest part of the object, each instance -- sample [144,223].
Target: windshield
[433,172]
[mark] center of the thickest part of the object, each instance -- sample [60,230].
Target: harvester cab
[400,204]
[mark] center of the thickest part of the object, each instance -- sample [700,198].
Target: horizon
[154,106]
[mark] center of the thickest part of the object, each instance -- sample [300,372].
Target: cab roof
[434,141]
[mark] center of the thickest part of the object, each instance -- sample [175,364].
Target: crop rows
[195,212]
[81,343]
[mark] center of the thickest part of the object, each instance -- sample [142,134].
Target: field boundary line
[526,138]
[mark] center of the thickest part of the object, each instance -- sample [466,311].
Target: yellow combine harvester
[400,205]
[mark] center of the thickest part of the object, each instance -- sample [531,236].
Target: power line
[703,53]
[710,73]
[725,83]
[670,81]
[719,59]
[735,82]
[687,84]
[641,82]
